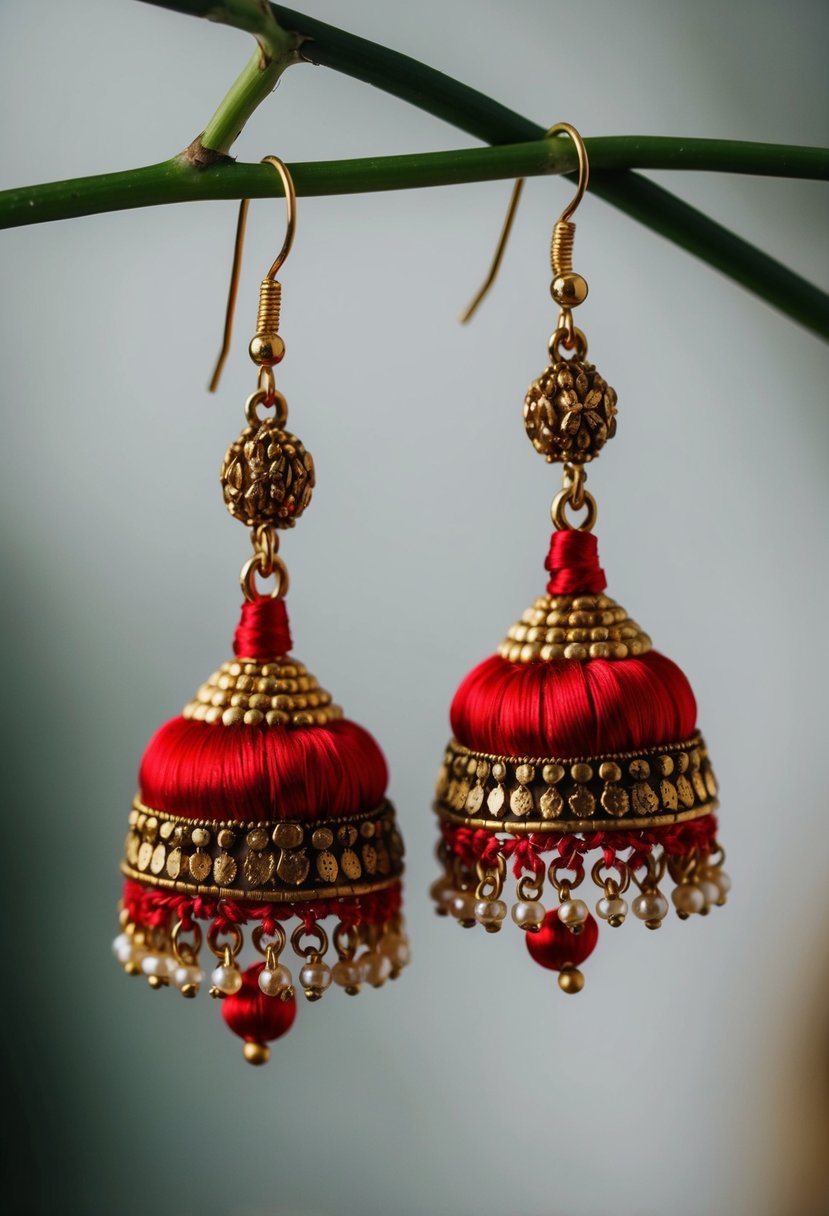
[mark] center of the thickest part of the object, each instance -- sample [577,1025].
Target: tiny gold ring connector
[559,517]
[572,339]
[252,567]
[261,396]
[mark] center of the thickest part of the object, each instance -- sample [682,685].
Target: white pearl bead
[347,974]
[316,976]
[612,907]
[442,891]
[396,948]
[276,981]
[573,912]
[528,913]
[688,898]
[462,905]
[226,979]
[186,974]
[161,965]
[490,911]
[723,882]
[651,907]
[710,891]
[122,948]
[376,968]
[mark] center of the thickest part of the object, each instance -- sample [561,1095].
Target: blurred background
[691,1076]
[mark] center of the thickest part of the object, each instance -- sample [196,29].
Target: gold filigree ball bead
[267,476]
[266,350]
[569,289]
[570,412]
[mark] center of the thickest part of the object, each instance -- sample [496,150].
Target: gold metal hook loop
[500,249]
[584,167]
[279,261]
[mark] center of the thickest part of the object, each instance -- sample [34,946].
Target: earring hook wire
[584,177]
[238,245]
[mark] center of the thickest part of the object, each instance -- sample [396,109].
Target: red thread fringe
[573,562]
[566,708]
[154,908]
[526,852]
[252,773]
[263,632]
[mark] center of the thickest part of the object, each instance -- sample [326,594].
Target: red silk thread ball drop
[252,1015]
[555,947]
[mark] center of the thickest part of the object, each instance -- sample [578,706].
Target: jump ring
[248,578]
[569,339]
[266,397]
[318,932]
[559,517]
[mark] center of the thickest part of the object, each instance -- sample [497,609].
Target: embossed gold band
[275,860]
[630,790]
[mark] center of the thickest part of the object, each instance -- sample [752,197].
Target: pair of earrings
[262,806]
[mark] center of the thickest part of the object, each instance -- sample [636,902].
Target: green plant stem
[480,116]
[177,180]
[275,51]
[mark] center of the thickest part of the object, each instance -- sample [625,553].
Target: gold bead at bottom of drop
[256,1053]
[570,980]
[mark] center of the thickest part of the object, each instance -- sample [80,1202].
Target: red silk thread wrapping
[205,770]
[202,771]
[573,563]
[567,708]
[263,632]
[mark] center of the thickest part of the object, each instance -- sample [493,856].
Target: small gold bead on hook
[266,347]
[569,289]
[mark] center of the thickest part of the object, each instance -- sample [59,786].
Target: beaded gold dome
[277,693]
[574,627]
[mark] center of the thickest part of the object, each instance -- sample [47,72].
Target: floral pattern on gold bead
[570,412]
[267,476]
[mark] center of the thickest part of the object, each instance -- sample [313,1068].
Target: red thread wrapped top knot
[573,562]
[263,632]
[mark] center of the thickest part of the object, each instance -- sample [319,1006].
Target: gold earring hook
[584,177]
[279,261]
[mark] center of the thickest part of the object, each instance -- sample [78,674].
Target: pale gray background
[691,1075]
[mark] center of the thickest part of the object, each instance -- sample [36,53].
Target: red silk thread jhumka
[261,807]
[575,748]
